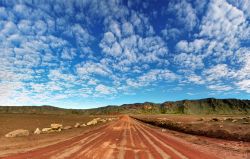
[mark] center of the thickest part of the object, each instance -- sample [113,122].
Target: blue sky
[90,53]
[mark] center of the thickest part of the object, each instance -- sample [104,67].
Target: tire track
[123,139]
[166,148]
[177,145]
[161,153]
[91,149]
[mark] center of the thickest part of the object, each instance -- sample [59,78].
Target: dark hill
[201,106]
[207,106]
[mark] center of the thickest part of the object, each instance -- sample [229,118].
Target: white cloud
[152,76]
[68,54]
[127,28]
[186,14]
[92,68]
[102,89]
[92,82]
[244,85]
[115,28]
[220,87]
[195,79]
[243,5]
[217,72]
[3,13]
[222,22]
[190,61]
[192,47]
[53,47]
[40,27]
[25,26]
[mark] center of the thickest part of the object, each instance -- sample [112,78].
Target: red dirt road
[122,139]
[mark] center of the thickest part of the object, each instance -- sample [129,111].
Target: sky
[91,53]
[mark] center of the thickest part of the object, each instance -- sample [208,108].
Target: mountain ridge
[195,106]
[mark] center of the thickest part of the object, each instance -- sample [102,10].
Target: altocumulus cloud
[69,51]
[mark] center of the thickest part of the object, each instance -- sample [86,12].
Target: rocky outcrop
[18,133]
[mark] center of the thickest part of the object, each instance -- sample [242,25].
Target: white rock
[83,125]
[77,125]
[92,122]
[103,120]
[17,133]
[47,130]
[56,126]
[67,127]
[37,131]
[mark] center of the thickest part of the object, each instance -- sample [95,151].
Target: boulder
[56,126]
[67,127]
[111,119]
[233,121]
[50,130]
[92,122]
[77,125]
[83,125]
[103,120]
[47,130]
[17,133]
[37,131]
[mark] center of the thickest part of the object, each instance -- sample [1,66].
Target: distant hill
[45,109]
[207,106]
[201,106]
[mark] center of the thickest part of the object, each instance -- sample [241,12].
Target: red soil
[125,138]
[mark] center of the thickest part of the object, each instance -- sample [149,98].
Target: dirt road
[125,138]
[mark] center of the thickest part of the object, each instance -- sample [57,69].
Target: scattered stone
[77,125]
[18,133]
[103,120]
[245,123]
[224,118]
[47,130]
[163,130]
[111,119]
[233,121]
[83,125]
[221,126]
[97,119]
[56,126]
[92,122]
[37,131]
[67,127]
